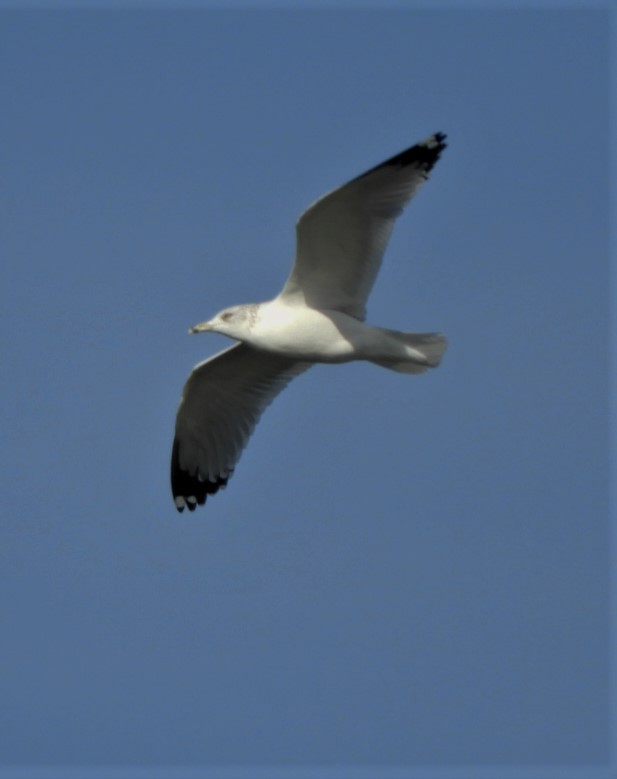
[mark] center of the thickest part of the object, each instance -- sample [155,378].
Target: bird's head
[233,322]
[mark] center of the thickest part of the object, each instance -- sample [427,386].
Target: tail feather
[424,351]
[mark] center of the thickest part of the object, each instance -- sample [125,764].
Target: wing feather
[222,402]
[342,237]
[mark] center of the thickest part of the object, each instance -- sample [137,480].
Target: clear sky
[403,571]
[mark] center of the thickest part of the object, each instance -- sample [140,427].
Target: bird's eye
[226,316]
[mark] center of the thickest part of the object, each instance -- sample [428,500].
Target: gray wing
[341,238]
[222,402]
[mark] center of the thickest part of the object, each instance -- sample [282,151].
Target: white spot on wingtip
[192,500]
[179,502]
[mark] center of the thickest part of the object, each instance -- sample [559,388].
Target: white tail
[424,351]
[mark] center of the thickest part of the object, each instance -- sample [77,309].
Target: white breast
[304,333]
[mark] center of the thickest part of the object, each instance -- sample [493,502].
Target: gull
[318,317]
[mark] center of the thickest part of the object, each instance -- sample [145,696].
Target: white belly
[308,334]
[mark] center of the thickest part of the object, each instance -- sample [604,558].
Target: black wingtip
[422,155]
[189,491]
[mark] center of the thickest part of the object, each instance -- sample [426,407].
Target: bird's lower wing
[222,402]
[342,237]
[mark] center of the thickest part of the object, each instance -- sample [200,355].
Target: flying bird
[318,317]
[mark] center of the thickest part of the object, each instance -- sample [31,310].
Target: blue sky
[404,571]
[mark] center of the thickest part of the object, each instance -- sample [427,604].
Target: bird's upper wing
[222,402]
[341,238]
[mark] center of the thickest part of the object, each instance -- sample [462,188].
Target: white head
[233,322]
